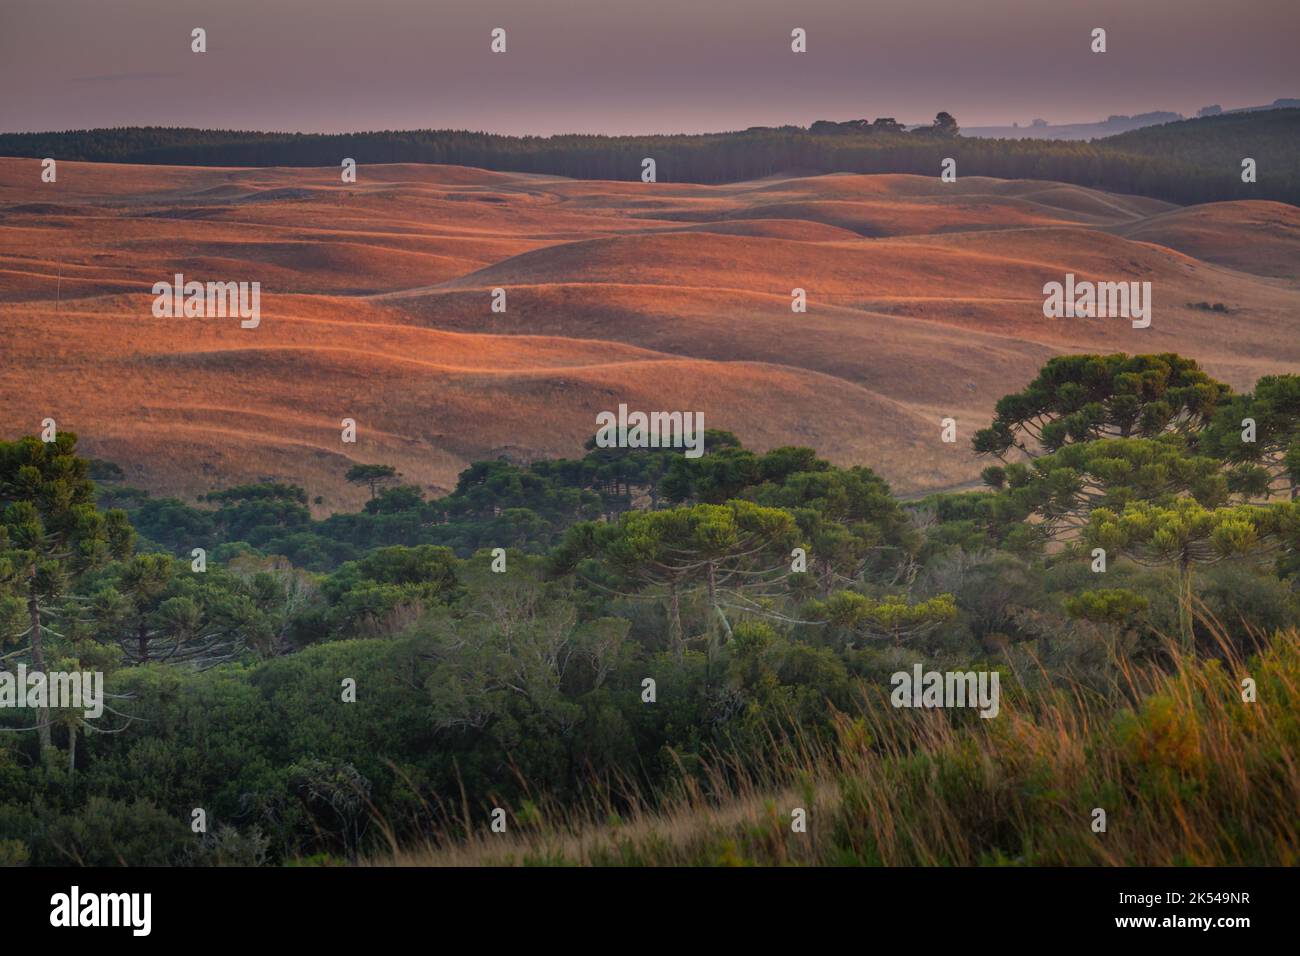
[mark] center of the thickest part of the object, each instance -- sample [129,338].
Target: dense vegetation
[1186,779]
[767,596]
[1186,162]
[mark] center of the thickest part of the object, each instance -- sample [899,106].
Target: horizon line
[556,135]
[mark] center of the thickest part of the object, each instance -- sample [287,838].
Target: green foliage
[155,608]
[848,614]
[732,552]
[1270,463]
[1195,147]
[1081,398]
[1182,532]
[116,832]
[1066,487]
[270,491]
[372,476]
[1107,605]
[388,588]
[631,576]
[51,536]
[494,503]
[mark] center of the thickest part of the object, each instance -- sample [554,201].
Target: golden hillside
[924,301]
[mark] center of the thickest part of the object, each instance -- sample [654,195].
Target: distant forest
[1185,162]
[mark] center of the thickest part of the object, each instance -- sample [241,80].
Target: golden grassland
[924,301]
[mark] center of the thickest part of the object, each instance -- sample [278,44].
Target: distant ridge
[1188,161]
[1112,125]
[1041,129]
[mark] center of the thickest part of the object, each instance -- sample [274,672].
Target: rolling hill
[924,301]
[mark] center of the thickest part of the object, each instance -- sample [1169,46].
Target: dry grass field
[924,301]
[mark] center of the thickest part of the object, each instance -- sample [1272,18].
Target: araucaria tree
[736,554]
[1183,534]
[1078,398]
[373,477]
[50,535]
[1259,434]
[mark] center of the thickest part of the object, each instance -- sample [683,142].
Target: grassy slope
[1191,775]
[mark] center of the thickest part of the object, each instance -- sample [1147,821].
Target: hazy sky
[618,66]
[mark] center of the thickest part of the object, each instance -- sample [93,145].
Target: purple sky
[618,66]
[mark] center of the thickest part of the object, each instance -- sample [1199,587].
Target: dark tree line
[1186,162]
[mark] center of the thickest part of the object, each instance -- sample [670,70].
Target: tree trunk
[713,603]
[38,663]
[1185,601]
[142,642]
[826,578]
[675,620]
[713,600]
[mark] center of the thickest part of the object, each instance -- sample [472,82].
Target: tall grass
[1187,772]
